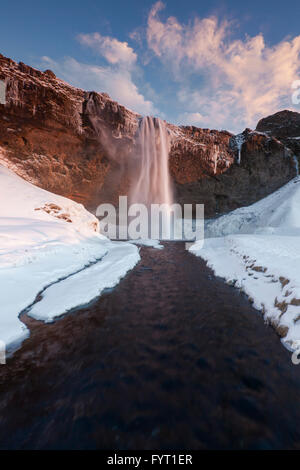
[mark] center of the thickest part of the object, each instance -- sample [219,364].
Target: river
[171,358]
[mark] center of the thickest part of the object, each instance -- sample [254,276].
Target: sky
[217,64]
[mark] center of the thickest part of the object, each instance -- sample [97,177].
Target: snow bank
[82,287]
[277,213]
[149,242]
[258,251]
[45,238]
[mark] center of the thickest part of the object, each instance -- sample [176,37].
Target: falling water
[296,163]
[152,184]
[239,140]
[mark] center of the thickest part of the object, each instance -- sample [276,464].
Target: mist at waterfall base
[149,211]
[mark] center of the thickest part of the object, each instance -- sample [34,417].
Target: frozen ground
[45,238]
[257,249]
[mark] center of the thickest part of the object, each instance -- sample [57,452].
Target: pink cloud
[114,51]
[247,75]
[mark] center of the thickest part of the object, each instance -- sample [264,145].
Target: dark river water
[172,358]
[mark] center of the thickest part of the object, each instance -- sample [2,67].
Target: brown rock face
[199,153]
[266,165]
[281,125]
[78,144]
[57,136]
[284,125]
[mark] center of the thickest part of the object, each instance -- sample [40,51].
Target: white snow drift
[45,238]
[258,251]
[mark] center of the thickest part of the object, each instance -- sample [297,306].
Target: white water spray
[152,184]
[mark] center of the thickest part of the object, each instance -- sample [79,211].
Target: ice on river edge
[257,249]
[45,238]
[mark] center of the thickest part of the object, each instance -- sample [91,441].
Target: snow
[257,249]
[277,213]
[149,242]
[45,238]
[86,285]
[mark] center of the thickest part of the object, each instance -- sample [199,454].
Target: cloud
[114,51]
[196,44]
[137,35]
[191,119]
[240,80]
[117,78]
[117,82]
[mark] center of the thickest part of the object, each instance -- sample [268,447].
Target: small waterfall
[2,92]
[239,140]
[296,162]
[152,184]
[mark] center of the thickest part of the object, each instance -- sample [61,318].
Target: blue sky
[219,64]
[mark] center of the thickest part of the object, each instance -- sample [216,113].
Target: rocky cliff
[284,125]
[57,136]
[78,144]
[261,164]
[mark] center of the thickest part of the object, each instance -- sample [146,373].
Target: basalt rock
[79,144]
[284,125]
[281,125]
[265,165]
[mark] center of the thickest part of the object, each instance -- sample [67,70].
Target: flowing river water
[172,358]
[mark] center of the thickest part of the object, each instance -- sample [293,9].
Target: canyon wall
[79,144]
[60,137]
[265,165]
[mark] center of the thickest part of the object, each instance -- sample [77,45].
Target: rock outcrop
[260,165]
[284,125]
[57,136]
[78,144]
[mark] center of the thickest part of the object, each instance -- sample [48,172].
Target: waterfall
[152,184]
[2,92]
[296,163]
[239,140]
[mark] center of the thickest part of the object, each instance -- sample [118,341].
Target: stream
[171,358]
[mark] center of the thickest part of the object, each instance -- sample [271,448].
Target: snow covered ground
[45,238]
[257,249]
[149,242]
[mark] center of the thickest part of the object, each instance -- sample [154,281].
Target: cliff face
[284,125]
[265,165]
[57,136]
[78,144]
